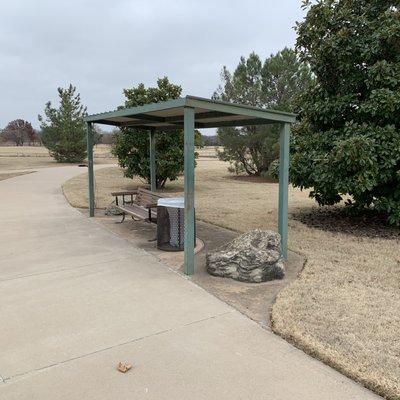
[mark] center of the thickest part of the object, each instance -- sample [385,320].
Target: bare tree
[108,138]
[32,136]
[19,131]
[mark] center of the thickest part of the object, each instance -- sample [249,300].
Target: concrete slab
[253,300]
[201,360]
[75,299]
[143,235]
[69,313]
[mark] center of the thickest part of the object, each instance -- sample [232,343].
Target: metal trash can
[171,224]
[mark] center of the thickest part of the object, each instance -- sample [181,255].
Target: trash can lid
[174,202]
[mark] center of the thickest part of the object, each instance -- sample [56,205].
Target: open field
[343,308]
[31,157]
[212,181]
[100,151]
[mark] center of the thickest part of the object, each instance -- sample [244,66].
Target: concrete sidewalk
[76,299]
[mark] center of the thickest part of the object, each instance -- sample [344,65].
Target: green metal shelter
[189,113]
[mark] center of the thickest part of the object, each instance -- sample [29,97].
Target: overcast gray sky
[103,46]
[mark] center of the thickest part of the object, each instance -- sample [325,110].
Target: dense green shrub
[348,140]
[132,147]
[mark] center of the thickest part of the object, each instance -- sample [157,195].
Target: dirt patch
[251,178]
[335,219]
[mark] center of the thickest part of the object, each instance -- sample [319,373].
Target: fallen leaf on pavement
[124,367]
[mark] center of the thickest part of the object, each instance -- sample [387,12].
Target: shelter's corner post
[89,141]
[189,190]
[152,139]
[284,187]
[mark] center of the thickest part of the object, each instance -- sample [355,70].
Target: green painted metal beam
[107,122]
[148,118]
[202,115]
[171,125]
[135,123]
[199,103]
[126,112]
[240,109]
[284,187]
[129,125]
[152,138]
[238,122]
[189,190]
[89,142]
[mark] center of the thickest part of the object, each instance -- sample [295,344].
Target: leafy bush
[132,147]
[348,140]
[273,170]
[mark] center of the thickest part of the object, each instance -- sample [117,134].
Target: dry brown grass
[32,157]
[213,184]
[343,309]
[100,150]
[107,180]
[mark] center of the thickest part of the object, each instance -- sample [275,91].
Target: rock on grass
[252,257]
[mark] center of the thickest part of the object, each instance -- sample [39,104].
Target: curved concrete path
[75,300]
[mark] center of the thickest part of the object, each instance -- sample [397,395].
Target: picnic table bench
[143,206]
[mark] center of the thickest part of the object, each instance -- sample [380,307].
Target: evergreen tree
[275,85]
[63,130]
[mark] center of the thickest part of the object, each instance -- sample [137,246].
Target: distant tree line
[15,134]
[108,137]
[211,140]
[20,132]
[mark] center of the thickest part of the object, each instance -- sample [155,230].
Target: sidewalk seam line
[63,269]
[82,356]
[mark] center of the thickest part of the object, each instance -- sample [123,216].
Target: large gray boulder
[252,257]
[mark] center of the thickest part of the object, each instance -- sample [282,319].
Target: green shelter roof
[208,114]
